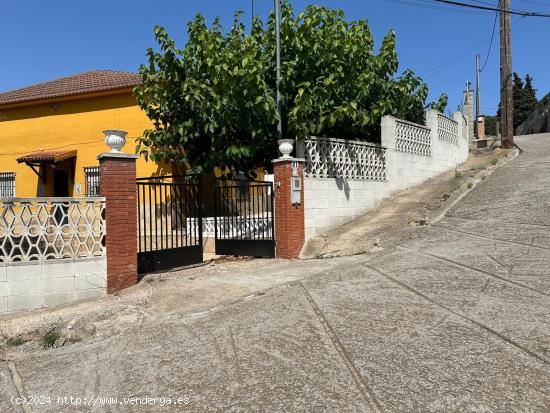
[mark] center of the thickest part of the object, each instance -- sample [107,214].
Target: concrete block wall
[331,202]
[41,284]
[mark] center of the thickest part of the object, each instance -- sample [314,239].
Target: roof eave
[78,96]
[34,160]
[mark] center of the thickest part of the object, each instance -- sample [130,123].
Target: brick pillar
[117,174]
[480,127]
[289,217]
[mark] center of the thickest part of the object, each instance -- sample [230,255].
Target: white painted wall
[40,284]
[331,202]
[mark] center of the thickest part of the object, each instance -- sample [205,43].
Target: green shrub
[49,339]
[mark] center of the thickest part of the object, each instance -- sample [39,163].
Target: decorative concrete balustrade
[339,158]
[254,225]
[51,251]
[412,138]
[447,129]
[40,229]
[345,178]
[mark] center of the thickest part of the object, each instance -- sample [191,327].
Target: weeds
[49,339]
[15,341]
[494,162]
[445,196]
[457,174]
[469,185]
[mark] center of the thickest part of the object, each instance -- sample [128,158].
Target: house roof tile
[48,155]
[83,83]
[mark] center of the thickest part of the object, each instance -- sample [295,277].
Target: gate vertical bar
[199,211]
[139,215]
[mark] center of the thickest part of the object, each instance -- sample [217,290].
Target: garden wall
[51,251]
[30,285]
[344,179]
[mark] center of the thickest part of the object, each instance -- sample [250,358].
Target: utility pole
[478,99]
[506,97]
[278,63]
[478,108]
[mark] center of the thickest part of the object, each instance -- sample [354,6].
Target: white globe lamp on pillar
[285,147]
[115,139]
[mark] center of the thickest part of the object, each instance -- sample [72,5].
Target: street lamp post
[278,63]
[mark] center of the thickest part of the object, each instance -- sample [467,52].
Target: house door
[61,189]
[60,183]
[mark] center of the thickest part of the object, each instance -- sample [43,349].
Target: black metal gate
[243,218]
[169,222]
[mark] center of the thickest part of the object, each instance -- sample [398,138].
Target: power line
[481,6]
[57,147]
[434,7]
[492,37]
[497,6]
[537,2]
[448,62]
[498,9]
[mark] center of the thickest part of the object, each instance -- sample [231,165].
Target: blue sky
[44,40]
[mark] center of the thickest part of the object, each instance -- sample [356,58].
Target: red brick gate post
[289,209]
[117,181]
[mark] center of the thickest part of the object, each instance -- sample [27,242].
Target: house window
[7,184]
[92,180]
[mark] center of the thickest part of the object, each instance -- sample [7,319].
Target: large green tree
[528,101]
[212,102]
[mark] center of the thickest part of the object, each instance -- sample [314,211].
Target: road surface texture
[455,317]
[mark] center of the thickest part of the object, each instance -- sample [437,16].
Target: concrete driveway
[455,317]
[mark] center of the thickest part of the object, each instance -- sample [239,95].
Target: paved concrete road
[454,318]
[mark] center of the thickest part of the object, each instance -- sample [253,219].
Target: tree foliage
[527,102]
[524,97]
[491,125]
[212,103]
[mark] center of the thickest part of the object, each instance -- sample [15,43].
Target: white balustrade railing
[447,129]
[235,227]
[39,229]
[339,158]
[412,138]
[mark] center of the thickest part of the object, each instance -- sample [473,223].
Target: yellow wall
[76,124]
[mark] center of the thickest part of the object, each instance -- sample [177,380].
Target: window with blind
[7,184]
[92,180]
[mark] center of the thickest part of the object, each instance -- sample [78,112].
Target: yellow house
[51,133]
